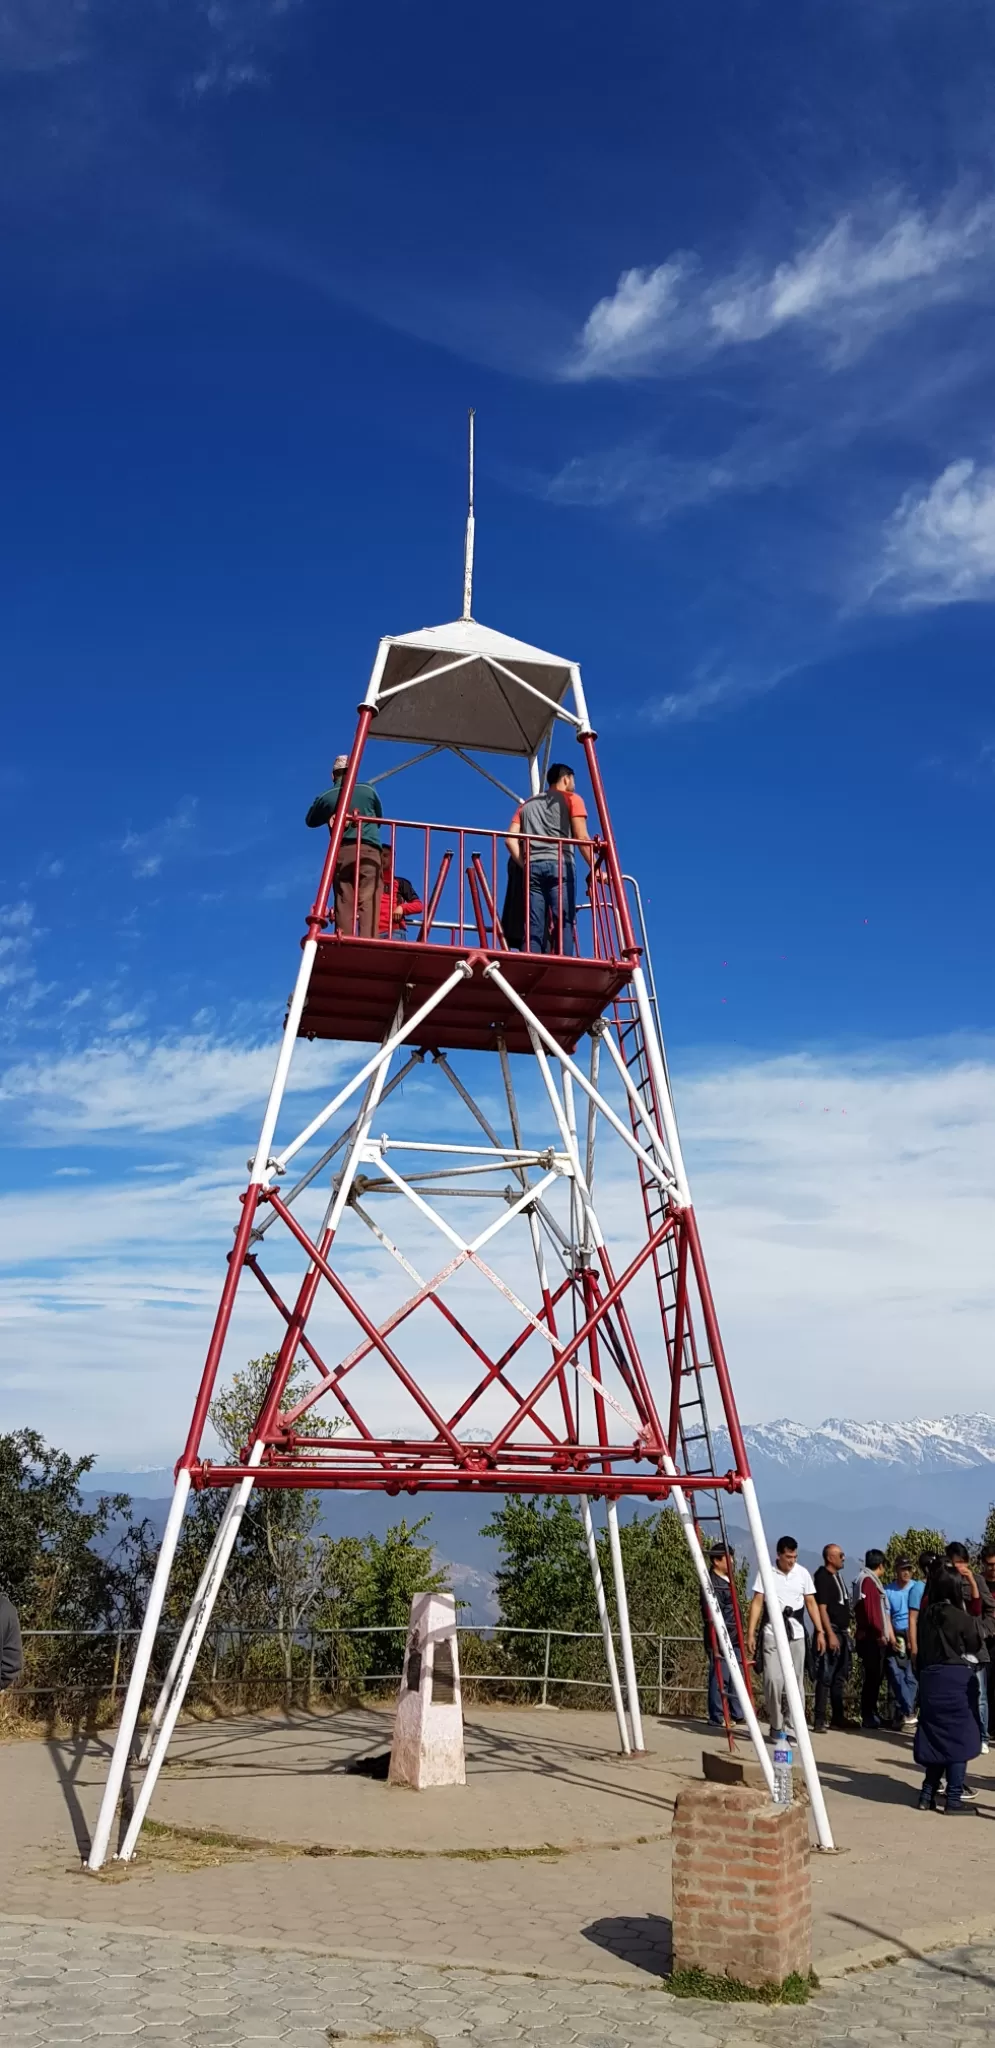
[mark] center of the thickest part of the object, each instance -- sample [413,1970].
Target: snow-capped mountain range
[946,1443]
[855,1483]
[838,1481]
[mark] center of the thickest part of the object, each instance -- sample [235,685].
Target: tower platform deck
[357,984]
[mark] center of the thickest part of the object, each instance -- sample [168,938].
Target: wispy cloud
[811,1173]
[147,850]
[715,687]
[220,45]
[865,274]
[939,543]
[126,1084]
[19,981]
[652,486]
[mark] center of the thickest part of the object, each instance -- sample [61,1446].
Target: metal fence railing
[242,1665]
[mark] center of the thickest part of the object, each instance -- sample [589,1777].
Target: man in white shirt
[795,1592]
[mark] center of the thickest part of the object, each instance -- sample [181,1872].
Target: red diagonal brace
[369,1329]
[580,1336]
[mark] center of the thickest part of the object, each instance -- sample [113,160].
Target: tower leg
[139,1673]
[210,1578]
[740,1683]
[795,1693]
[605,1620]
[198,1621]
[625,1631]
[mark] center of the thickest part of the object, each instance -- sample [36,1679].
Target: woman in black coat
[950,1649]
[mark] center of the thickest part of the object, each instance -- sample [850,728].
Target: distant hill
[835,1481]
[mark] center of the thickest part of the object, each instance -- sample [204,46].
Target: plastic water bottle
[784,1790]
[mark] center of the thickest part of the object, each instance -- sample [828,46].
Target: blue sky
[721,285]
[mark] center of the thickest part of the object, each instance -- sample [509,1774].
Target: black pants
[872,1657]
[831,1675]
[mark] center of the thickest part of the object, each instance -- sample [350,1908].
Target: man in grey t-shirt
[544,822]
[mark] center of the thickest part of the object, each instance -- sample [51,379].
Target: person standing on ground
[924,1565]
[986,1682]
[795,1593]
[545,822]
[358,872]
[901,1676]
[833,1667]
[722,1588]
[950,1649]
[875,1636]
[11,1652]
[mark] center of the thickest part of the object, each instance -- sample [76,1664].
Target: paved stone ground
[603,1908]
[71,1985]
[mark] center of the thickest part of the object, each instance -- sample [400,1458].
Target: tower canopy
[465,685]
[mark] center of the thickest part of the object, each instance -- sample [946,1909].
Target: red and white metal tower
[570,1305]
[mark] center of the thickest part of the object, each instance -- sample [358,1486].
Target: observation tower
[501,1284]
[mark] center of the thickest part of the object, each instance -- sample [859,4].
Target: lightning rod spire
[468,543]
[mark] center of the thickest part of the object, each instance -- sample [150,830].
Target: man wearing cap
[358,870]
[721,1587]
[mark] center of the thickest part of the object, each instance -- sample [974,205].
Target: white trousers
[775,1704]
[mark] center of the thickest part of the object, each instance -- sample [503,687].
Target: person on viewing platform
[545,821]
[11,1654]
[358,871]
[721,1586]
[874,1634]
[400,899]
[924,1564]
[833,1667]
[901,1676]
[795,1594]
[951,1652]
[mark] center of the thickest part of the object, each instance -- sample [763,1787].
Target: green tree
[660,1578]
[65,1565]
[911,1543]
[68,1566]
[370,1583]
[543,1578]
[988,1532]
[278,1569]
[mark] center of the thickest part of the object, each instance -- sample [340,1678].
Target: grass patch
[793,1990]
[193,1847]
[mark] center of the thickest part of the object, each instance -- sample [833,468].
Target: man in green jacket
[358,870]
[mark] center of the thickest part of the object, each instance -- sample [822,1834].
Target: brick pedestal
[742,1891]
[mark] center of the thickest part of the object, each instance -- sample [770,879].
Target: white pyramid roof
[475,704]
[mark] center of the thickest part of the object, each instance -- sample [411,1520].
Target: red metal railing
[467,888]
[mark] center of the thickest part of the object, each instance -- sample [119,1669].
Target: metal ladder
[694,1429]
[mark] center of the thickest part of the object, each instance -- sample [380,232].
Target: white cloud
[939,544]
[147,850]
[714,687]
[847,1208]
[860,277]
[138,1084]
[653,486]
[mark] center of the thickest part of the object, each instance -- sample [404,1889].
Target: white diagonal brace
[461,972]
[636,1099]
[312,1173]
[530,688]
[666,1180]
[425,675]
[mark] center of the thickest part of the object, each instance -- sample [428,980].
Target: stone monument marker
[427,1749]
